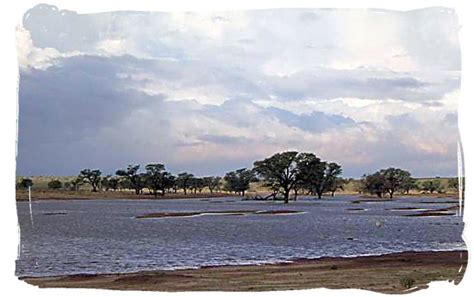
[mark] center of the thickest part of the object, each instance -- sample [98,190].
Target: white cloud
[31,56]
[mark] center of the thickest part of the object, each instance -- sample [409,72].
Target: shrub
[25,183]
[407,282]
[55,184]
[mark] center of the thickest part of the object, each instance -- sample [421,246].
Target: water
[76,237]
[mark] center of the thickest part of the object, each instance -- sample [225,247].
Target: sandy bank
[387,273]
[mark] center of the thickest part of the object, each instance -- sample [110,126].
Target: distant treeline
[282,174]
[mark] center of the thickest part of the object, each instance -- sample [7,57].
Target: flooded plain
[117,236]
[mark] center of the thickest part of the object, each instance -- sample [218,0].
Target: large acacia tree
[279,171]
[133,179]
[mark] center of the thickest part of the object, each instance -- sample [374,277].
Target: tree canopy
[388,181]
[92,177]
[239,181]
[135,180]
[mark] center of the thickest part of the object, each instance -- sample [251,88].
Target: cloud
[211,92]
[30,56]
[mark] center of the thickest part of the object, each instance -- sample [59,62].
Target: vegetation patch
[407,282]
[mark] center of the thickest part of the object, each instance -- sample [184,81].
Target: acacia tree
[337,184]
[92,177]
[394,179]
[431,185]
[212,182]
[239,181]
[197,184]
[279,171]
[408,184]
[374,184]
[184,181]
[157,178]
[318,176]
[134,180]
[110,182]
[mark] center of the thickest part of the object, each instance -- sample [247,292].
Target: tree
[73,185]
[55,184]
[157,178]
[91,177]
[212,182]
[110,182]
[374,184]
[183,181]
[281,171]
[408,184]
[394,179]
[318,176]
[337,184]
[431,185]
[239,181]
[197,184]
[453,183]
[135,180]
[25,183]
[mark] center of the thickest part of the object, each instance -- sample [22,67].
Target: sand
[387,274]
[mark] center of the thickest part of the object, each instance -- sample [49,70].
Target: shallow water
[104,236]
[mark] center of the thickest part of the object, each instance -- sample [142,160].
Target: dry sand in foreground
[377,273]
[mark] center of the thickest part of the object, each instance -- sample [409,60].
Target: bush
[55,184]
[25,183]
[407,282]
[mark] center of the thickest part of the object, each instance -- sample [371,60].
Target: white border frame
[12,16]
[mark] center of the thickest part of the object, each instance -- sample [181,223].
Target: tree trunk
[287,195]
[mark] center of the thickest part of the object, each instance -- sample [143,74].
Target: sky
[212,92]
